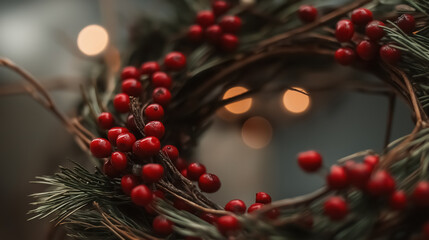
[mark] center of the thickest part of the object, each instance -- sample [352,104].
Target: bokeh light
[256,132]
[92,40]
[238,107]
[296,102]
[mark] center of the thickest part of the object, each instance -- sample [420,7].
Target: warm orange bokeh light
[296,102]
[256,132]
[92,40]
[238,107]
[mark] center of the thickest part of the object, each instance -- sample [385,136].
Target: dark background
[41,35]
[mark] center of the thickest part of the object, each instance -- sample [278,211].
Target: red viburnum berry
[154,112]
[130,123]
[310,161]
[236,206]
[128,182]
[230,24]
[141,195]
[359,175]
[100,148]
[125,142]
[229,42]
[105,120]
[337,177]
[345,56]
[220,7]
[161,96]
[213,34]
[146,147]
[254,207]
[175,61]
[161,79]
[162,226]
[155,129]
[171,152]
[344,30]
[121,102]
[208,217]
[195,33]
[119,161]
[406,23]
[335,208]
[132,87]
[195,170]
[361,16]
[371,160]
[307,13]
[180,164]
[109,170]
[209,183]
[381,184]
[113,134]
[367,50]
[374,30]
[228,224]
[263,197]
[390,54]
[398,200]
[421,194]
[152,172]
[130,72]
[148,68]
[205,18]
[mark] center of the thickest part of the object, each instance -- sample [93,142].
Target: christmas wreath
[142,189]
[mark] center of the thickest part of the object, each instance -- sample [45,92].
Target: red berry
[228,224]
[213,34]
[374,30]
[273,214]
[182,205]
[361,16]
[367,50]
[230,24]
[371,160]
[228,42]
[337,178]
[180,164]
[359,175]
[100,148]
[236,206]
[105,120]
[398,200]
[345,56]
[131,124]
[184,173]
[381,183]
[390,54]
[421,194]
[149,68]
[209,183]
[146,147]
[310,161]
[113,134]
[175,61]
[154,112]
[307,13]
[141,195]
[344,30]
[130,72]
[171,152]
[158,194]
[128,182]
[425,230]
[155,129]
[262,197]
[195,33]
[195,170]
[161,96]
[254,207]
[205,18]
[152,172]
[208,217]
[349,165]
[161,79]
[132,87]
[121,102]
[406,23]
[125,142]
[335,208]
[162,225]
[220,7]
[109,170]
[119,161]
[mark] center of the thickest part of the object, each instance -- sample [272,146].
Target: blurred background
[251,145]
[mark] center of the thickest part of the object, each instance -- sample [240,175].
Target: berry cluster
[365,177]
[368,47]
[221,33]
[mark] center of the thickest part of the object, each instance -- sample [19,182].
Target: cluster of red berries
[223,33]
[368,48]
[364,177]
